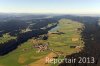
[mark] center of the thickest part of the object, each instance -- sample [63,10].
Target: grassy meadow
[6,37]
[26,55]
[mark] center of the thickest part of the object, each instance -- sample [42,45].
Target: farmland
[29,41]
[66,36]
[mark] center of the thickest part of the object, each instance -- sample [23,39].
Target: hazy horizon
[50,6]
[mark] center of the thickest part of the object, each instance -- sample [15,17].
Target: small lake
[54,29]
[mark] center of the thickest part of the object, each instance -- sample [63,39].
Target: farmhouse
[41,47]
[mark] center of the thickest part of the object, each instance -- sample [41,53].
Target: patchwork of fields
[65,40]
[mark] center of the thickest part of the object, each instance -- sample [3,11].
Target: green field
[25,54]
[5,38]
[63,42]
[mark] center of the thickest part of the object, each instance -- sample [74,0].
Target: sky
[51,6]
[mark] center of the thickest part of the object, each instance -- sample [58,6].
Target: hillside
[61,42]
